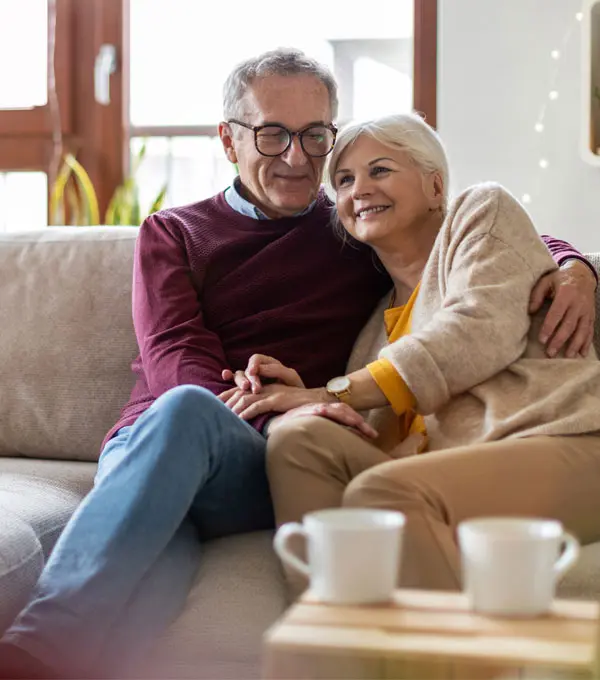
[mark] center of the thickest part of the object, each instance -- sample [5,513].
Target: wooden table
[432,635]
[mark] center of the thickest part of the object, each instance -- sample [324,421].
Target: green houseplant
[73,199]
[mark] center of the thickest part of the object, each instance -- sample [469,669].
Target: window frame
[424,78]
[94,133]
[425,18]
[36,122]
[100,136]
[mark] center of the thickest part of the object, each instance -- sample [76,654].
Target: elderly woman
[464,413]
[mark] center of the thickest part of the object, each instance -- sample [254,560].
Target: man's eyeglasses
[273,140]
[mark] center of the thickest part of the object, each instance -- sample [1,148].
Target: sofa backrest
[66,339]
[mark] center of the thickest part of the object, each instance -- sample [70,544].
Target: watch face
[339,384]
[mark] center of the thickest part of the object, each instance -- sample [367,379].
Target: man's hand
[272,398]
[340,413]
[573,311]
[261,365]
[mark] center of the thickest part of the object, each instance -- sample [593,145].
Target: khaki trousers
[314,463]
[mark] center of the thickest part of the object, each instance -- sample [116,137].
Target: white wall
[495,73]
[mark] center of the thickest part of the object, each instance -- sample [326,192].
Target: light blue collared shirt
[234,198]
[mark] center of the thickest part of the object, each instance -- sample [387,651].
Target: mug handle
[568,557]
[284,533]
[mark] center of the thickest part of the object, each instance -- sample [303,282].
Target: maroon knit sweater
[211,287]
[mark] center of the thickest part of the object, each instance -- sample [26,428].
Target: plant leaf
[73,200]
[159,200]
[57,196]
[137,160]
[113,212]
[135,208]
[90,200]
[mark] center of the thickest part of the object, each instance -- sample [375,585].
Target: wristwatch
[339,388]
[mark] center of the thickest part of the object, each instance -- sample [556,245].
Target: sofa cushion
[21,561]
[583,580]
[67,339]
[36,500]
[44,505]
[43,493]
[239,592]
[77,477]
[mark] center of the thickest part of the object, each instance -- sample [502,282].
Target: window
[23,41]
[24,200]
[176,91]
[55,41]
[164,90]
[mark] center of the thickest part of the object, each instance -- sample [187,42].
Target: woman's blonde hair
[405,131]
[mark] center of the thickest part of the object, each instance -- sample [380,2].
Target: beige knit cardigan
[472,359]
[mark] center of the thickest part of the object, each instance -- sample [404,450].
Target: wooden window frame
[424,78]
[425,59]
[95,133]
[100,135]
[36,122]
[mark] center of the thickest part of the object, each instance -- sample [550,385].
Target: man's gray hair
[280,62]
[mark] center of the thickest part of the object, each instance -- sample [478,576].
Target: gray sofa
[66,343]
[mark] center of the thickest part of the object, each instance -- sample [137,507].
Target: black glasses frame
[299,133]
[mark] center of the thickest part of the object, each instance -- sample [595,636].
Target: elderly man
[256,268]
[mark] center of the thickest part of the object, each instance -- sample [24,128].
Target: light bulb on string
[556,55]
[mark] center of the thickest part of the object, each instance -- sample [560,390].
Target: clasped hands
[267,386]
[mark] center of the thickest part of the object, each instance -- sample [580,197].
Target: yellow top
[390,382]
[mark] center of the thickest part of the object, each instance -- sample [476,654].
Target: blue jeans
[188,470]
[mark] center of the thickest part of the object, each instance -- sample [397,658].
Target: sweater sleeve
[562,251]
[390,382]
[175,346]
[482,323]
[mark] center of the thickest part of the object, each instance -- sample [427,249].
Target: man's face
[284,185]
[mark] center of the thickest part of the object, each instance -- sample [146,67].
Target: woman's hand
[261,365]
[340,413]
[271,398]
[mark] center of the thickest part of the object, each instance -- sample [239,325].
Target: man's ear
[227,140]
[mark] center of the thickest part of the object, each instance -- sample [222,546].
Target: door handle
[104,67]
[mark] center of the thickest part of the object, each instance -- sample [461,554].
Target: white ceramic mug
[511,565]
[353,553]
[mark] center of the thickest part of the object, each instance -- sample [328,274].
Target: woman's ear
[436,190]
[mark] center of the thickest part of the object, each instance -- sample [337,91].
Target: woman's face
[380,192]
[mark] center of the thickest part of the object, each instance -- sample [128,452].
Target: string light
[553,94]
